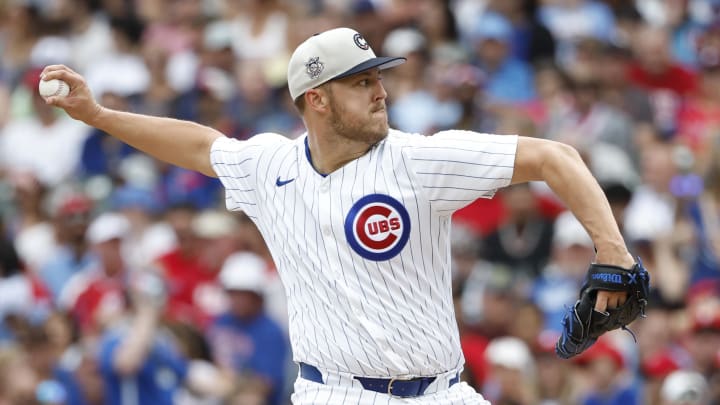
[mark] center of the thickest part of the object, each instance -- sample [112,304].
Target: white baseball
[53,87]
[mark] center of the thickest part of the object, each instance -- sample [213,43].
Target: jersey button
[324,188]
[326,230]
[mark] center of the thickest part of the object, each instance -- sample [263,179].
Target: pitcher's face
[357,106]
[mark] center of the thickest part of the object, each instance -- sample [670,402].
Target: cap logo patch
[361,42]
[314,67]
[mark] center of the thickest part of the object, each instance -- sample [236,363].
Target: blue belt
[392,386]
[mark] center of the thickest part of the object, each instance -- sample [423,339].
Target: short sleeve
[235,163]
[454,168]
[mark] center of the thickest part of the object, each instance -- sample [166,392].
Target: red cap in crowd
[659,365]
[601,349]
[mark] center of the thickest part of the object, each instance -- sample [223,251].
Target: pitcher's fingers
[71,78]
[57,101]
[601,303]
[52,68]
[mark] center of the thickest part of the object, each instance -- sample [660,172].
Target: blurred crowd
[123,280]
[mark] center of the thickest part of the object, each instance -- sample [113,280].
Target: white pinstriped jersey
[364,252]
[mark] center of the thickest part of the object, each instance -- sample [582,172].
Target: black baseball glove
[582,325]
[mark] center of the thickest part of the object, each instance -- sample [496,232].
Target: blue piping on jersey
[307,154]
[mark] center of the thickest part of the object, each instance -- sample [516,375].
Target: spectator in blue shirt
[245,339]
[509,80]
[556,288]
[139,361]
[571,20]
[72,255]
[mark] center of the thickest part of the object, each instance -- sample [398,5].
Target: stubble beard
[368,131]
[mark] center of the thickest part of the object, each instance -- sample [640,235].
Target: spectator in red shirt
[699,120]
[654,68]
[204,240]
[667,81]
[96,294]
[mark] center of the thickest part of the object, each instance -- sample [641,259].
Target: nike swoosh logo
[281,183]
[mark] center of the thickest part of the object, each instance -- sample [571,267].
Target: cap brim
[382,62]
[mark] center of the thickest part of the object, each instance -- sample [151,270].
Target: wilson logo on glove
[608,277]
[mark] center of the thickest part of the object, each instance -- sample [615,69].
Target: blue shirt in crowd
[258,346]
[513,82]
[58,271]
[155,383]
[620,396]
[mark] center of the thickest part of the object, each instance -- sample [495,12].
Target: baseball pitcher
[357,217]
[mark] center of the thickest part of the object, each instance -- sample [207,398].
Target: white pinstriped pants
[312,393]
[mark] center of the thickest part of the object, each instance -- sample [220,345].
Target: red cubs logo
[377,227]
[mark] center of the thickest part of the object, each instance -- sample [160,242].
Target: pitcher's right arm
[181,143]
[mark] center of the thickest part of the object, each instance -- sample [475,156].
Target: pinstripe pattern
[348,313]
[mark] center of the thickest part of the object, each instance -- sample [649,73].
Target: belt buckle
[390,384]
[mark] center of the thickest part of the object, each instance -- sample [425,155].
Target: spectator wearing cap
[684,387]
[95,295]
[216,231]
[245,339]
[71,219]
[512,372]
[659,337]
[557,286]
[149,237]
[509,80]
[654,369]
[192,280]
[703,339]
[610,382]
[488,304]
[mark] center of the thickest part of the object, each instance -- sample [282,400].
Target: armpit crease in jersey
[377,227]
